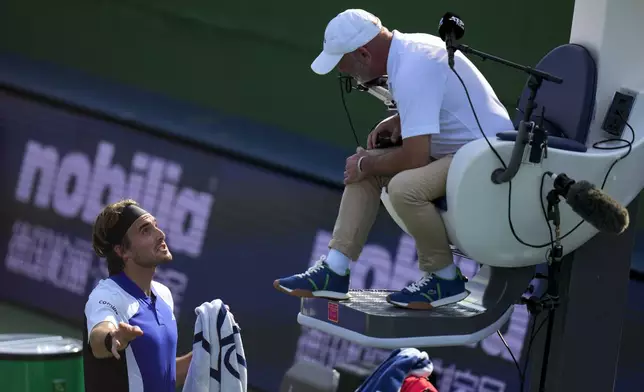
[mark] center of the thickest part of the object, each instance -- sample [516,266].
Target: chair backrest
[568,106]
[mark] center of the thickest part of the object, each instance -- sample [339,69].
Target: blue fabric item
[218,361]
[400,364]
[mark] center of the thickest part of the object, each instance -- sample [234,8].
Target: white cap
[345,33]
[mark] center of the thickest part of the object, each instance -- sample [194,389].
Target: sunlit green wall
[252,58]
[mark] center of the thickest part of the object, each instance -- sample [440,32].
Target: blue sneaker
[318,281]
[430,292]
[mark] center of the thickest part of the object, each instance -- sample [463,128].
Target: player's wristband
[108,341]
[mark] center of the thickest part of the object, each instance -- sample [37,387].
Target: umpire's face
[359,64]
[147,243]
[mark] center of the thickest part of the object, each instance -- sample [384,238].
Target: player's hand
[351,172]
[122,336]
[391,125]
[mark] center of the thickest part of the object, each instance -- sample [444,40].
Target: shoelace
[315,268]
[416,286]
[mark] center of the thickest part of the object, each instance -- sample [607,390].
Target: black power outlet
[618,113]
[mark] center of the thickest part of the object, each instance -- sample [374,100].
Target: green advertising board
[252,58]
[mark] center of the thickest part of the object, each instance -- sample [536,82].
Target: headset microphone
[451,28]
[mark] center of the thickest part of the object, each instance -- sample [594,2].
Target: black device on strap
[383,140]
[129,214]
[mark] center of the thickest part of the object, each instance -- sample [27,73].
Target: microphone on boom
[592,204]
[450,29]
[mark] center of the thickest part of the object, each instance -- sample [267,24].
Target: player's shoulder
[105,287]
[164,292]
[108,292]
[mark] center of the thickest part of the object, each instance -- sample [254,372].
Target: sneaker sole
[311,294]
[432,305]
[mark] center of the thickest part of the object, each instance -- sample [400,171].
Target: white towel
[218,363]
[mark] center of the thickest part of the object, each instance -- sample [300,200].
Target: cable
[476,117]
[628,144]
[525,363]
[514,233]
[504,167]
[533,334]
[347,88]
[521,375]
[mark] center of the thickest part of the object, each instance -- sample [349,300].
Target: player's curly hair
[105,220]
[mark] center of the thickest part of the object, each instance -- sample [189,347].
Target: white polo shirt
[431,99]
[149,361]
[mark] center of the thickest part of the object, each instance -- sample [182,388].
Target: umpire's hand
[122,336]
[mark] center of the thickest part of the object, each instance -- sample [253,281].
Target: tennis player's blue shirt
[148,364]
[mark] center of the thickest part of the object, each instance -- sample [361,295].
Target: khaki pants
[410,193]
